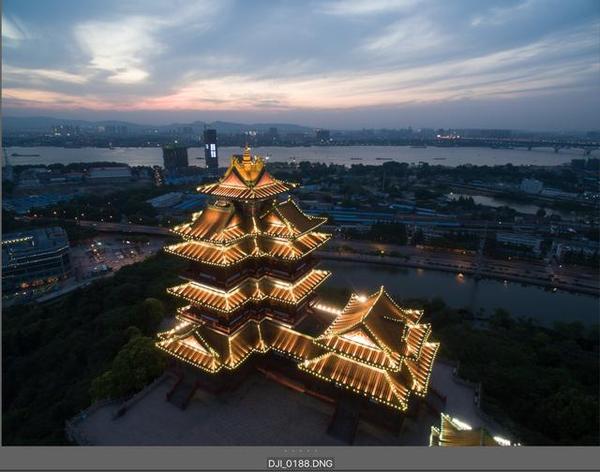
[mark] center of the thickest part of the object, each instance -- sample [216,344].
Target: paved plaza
[259,412]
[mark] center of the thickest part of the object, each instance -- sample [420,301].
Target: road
[125,228]
[575,279]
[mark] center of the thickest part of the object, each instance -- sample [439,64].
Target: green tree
[148,315]
[102,386]
[501,319]
[137,363]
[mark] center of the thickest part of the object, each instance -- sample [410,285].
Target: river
[526,208]
[528,301]
[347,155]
[531,301]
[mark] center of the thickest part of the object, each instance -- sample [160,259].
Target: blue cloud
[324,61]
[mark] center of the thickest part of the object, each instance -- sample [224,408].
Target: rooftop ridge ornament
[247,179]
[247,157]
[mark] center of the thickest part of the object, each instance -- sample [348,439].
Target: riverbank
[461,270]
[344,155]
[482,297]
[570,280]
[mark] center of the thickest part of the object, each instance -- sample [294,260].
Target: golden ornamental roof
[199,345]
[377,384]
[287,220]
[353,347]
[251,289]
[254,246]
[247,179]
[218,223]
[380,318]
[377,333]
[416,337]
[420,369]
[211,350]
[183,342]
[223,223]
[287,341]
[356,357]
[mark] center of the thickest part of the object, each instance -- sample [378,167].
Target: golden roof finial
[247,157]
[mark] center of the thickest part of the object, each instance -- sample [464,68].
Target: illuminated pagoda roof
[211,351]
[378,384]
[377,330]
[255,246]
[346,354]
[286,340]
[221,223]
[251,289]
[455,433]
[376,348]
[217,223]
[247,179]
[286,220]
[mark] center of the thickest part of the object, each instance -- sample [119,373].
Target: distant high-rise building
[211,152]
[175,156]
[322,135]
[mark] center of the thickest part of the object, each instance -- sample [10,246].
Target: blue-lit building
[33,258]
[211,152]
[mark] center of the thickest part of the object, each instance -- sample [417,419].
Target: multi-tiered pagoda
[251,288]
[252,275]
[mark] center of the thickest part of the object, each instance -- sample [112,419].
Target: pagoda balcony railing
[230,279]
[252,310]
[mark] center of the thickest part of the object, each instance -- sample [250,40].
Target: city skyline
[353,64]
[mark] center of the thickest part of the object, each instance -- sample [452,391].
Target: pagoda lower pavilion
[250,288]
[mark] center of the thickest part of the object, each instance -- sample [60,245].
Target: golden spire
[247,156]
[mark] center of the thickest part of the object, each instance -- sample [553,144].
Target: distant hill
[232,128]
[45,123]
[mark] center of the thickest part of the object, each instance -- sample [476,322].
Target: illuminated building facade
[250,288]
[211,152]
[34,258]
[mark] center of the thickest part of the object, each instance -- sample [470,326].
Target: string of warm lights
[214,333]
[327,308]
[307,367]
[392,364]
[313,279]
[235,233]
[233,255]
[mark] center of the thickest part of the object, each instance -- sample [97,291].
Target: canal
[520,300]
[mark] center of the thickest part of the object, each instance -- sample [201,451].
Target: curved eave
[227,256]
[251,290]
[235,192]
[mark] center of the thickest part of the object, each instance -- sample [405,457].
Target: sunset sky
[528,64]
